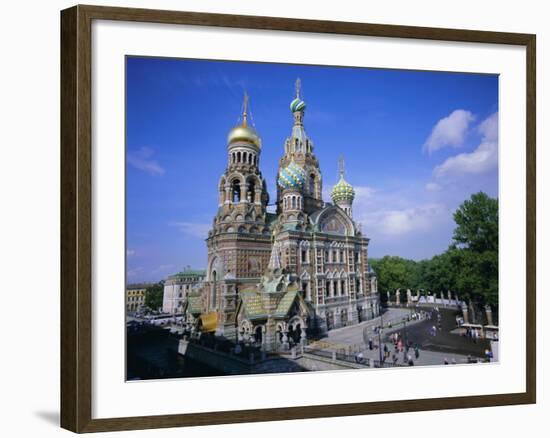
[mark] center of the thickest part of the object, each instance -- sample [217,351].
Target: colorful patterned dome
[342,192]
[291,177]
[297,105]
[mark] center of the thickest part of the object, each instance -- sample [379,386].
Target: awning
[208,322]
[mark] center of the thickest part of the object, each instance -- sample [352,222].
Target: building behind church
[278,278]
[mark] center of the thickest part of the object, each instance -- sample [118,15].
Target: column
[258,196]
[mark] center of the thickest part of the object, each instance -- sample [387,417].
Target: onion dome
[297,105]
[343,191]
[244,132]
[292,177]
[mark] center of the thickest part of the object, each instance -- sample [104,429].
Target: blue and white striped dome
[292,177]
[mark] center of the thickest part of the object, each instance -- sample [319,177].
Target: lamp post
[380,333]
[405,332]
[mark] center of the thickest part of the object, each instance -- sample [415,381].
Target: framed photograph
[268,219]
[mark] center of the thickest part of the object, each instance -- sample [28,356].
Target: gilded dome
[244,133]
[342,192]
[291,177]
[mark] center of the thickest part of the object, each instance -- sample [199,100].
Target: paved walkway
[433,350]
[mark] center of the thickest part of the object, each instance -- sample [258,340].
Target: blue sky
[416,145]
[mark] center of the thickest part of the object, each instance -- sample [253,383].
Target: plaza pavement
[444,346]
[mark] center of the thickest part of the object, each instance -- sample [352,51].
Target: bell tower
[239,243]
[299,149]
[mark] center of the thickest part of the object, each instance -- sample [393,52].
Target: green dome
[342,192]
[297,105]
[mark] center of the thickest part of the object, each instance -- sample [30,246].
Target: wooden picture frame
[76,217]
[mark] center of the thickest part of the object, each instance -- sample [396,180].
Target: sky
[416,145]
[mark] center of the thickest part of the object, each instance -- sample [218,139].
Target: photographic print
[292,218]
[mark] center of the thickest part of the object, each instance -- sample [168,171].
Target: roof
[139,286]
[189,273]
[254,305]
[286,303]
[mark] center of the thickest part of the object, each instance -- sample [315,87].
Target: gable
[332,220]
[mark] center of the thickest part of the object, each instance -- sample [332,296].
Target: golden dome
[244,133]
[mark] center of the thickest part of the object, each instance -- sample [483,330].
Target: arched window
[250,190]
[236,190]
[312,184]
[244,157]
[214,285]
[293,202]
[249,158]
[255,160]
[238,157]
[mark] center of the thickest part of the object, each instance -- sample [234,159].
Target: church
[277,278]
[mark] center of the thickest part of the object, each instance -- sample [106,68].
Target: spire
[243,131]
[341,166]
[297,104]
[245,108]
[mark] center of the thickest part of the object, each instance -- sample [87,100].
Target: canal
[151,353]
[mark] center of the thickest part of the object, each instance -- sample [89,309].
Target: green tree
[477,224]
[476,241]
[469,266]
[154,295]
[395,272]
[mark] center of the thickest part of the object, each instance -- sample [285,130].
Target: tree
[394,272]
[469,266]
[476,240]
[154,295]
[477,224]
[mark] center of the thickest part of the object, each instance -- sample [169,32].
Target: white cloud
[481,160]
[433,187]
[399,222]
[449,131]
[489,128]
[141,159]
[364,193]
[193,229]
[130,252]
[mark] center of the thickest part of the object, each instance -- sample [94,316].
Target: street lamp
[380,333]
